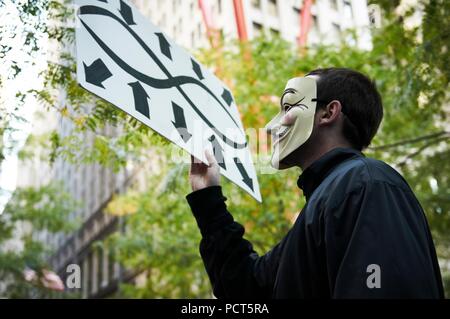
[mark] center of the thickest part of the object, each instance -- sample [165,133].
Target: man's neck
[312,154]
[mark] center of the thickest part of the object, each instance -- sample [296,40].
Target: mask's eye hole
[287,107]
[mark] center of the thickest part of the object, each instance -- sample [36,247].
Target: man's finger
[192,170]
[196,165]
[195,160]
[210,158]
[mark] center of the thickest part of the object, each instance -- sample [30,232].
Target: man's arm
[234,268]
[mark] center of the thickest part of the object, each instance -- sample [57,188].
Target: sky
[27,79]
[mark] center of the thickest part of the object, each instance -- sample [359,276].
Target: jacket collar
[311,177]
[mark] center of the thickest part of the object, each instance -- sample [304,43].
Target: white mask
[292,127]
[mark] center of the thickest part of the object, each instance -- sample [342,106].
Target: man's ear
[330,113]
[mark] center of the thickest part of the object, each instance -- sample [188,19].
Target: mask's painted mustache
[280,129]
[288,106]
[296,104]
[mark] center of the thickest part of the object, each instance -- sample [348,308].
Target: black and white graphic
[123,58]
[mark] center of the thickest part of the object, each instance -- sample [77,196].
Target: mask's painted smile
[281,133]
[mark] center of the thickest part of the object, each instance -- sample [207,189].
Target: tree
[29,213]
[161,238]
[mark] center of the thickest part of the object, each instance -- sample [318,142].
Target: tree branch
[421,149]
[411,141]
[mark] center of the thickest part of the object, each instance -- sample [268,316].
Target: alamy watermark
[374,279]
[73,280]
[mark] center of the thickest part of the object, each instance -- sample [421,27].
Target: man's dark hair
[360,100]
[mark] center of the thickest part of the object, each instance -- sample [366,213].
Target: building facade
[93,187]
[182,20]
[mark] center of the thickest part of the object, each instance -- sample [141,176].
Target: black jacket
[359,213]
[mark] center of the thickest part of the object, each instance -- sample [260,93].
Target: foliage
[30,213]
[410,67]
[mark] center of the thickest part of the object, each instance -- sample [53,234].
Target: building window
[333,4]
[348,14]
[297,3]
[100,267]
[94,272]
[111,262]
[336,28]
[85,271]
[335,32]
[257,29]
[374,15]
[193,39]
[219,6]
[105,265]
[274,33]
[314,24]
[256,4]
[272,7]
[174,5]
[372,19]
[163,20]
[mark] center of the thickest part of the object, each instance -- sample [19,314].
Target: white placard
[125,59]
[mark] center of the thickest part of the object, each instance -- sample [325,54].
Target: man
[362,232]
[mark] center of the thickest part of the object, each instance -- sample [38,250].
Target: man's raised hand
[202,175]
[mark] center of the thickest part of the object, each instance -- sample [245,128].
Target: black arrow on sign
[164,45]
[126,13]
[171,81]
[226,95]
[180,122]
[245,178]
[140,98]
[96,73]
[105,1]
[197,69]
[217,150]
